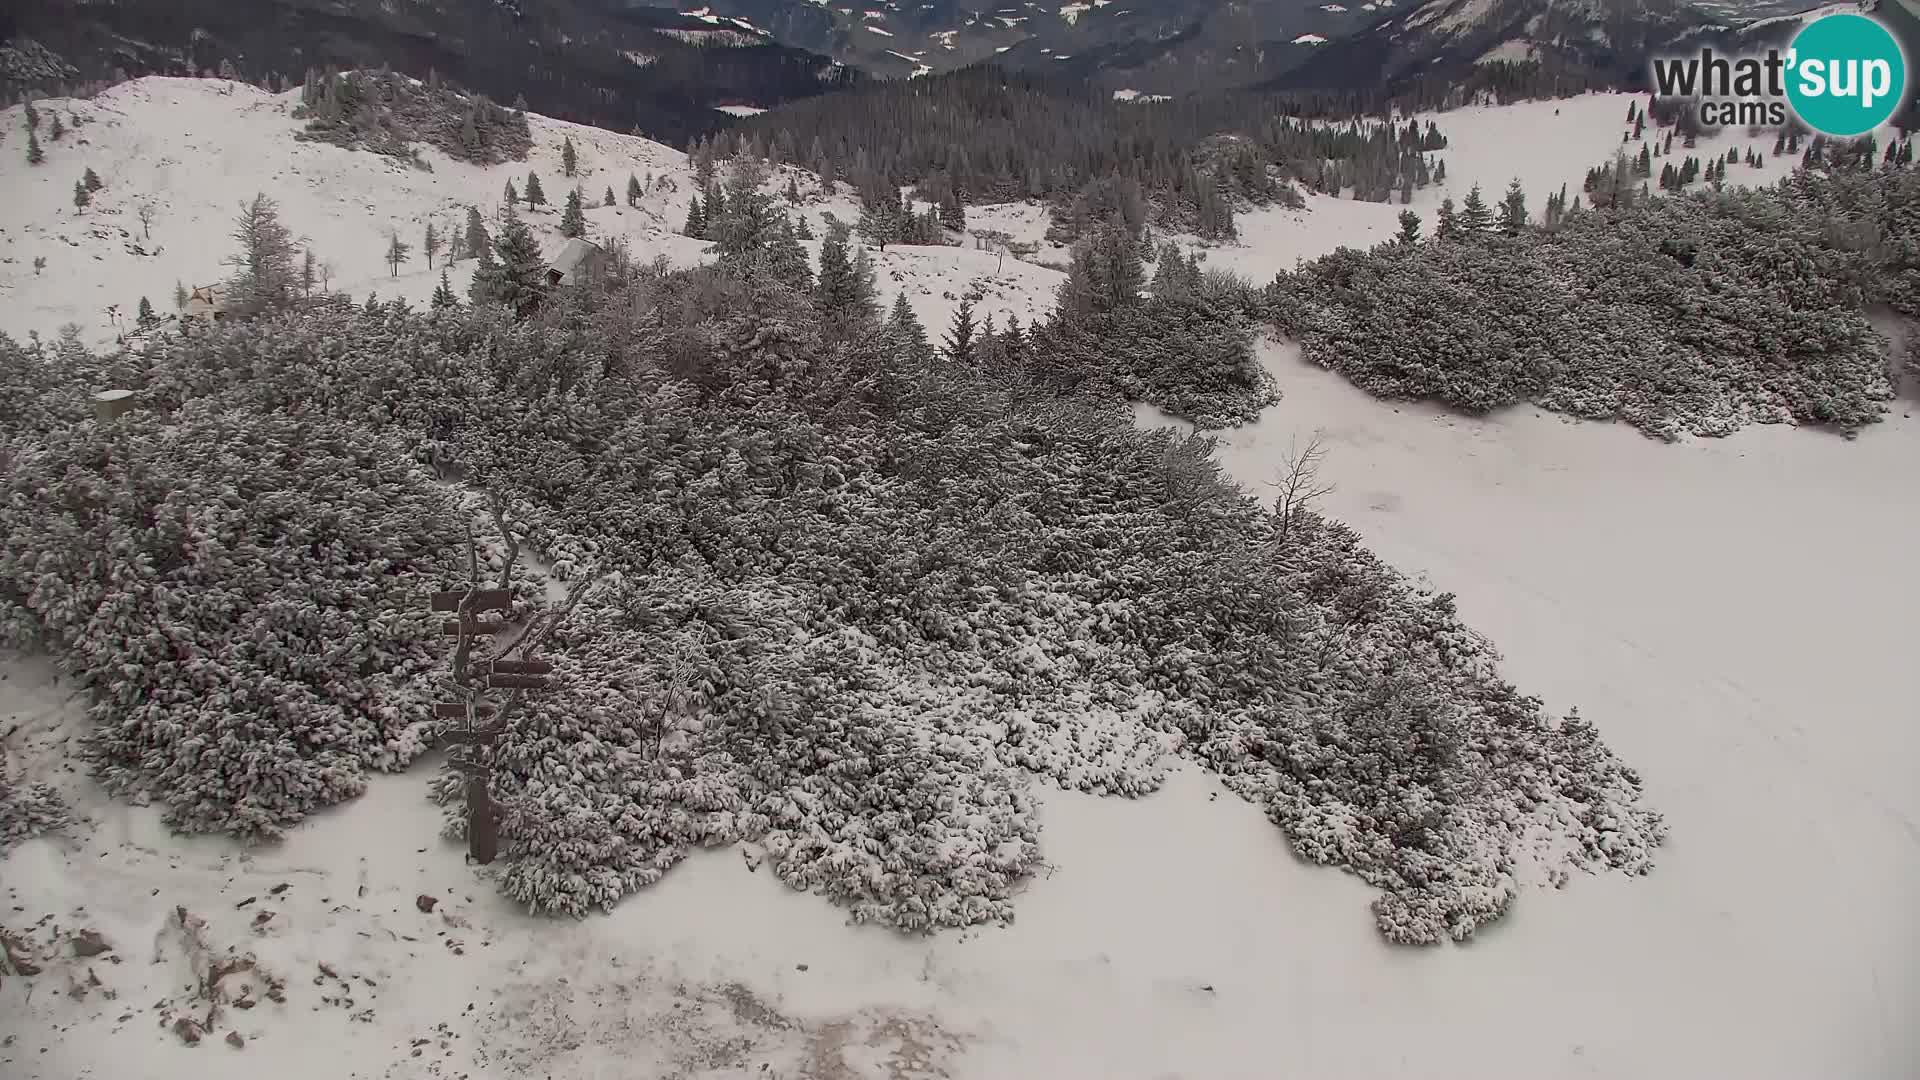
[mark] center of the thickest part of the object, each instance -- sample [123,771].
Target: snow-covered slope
[1770,721]
[1542,144]
[196,148]
[1750,661]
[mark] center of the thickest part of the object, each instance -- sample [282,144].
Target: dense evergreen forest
[998,136]
[841,592]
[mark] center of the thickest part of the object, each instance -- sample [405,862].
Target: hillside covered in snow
[186,153]
[887,596]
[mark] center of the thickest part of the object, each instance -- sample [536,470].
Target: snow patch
[1513,50]
[1423,15]
[1309,39]
[1071,12]
[1805,16]
[1469,14]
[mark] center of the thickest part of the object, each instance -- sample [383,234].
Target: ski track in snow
[1734,616]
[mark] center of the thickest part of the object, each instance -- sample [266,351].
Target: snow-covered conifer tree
[1513,209]
[516,275]
[264,274]
[573,220]
[1409,228]
[904,328]
[953,213]
[396,254]
[1476,218]
[478,244]
[959,341]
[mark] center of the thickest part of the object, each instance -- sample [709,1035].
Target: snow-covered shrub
[243,594]
[1192,356]
[1415,764]
[42,384]
[1687,314]
[27,809]
[860,604]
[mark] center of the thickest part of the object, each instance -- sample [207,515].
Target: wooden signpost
[484,721]
[476,600]
[477,722]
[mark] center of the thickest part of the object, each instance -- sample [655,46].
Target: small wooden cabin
[579,262]
[206,303]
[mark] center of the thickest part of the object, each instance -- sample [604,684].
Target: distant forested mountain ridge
[1512,48]
[997,135]
[609,64]
[647,64]
[1152,46]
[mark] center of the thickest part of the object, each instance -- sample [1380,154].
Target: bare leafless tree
[1298,483]
[145,211]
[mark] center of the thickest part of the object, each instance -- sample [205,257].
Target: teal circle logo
[1846,75]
